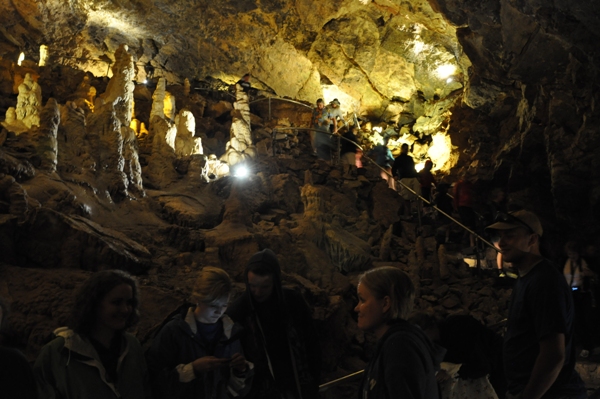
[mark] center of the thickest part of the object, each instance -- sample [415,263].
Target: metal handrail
[282,99]
[477,236]
[215,90]
[327,385]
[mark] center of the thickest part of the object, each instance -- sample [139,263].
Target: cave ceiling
[513,82]
[373,54]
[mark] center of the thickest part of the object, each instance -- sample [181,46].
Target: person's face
[514,243]
[261,287]
[210,313]
[371,310]
[320,105]
[247,78]
[334,105]
[573,255]
[115,308]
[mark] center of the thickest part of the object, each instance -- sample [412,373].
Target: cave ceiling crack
[357,65]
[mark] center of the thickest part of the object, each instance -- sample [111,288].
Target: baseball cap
[522,218]
[335,101]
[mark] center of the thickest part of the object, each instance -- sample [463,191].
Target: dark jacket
[382,156]
[404,167]
[178,345]
[349,144]
[403,366]
[16,377]
[282,327]
[69,368]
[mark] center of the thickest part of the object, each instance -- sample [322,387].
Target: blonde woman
[405,360]
[198,354]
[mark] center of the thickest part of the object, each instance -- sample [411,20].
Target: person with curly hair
[94,357]
[197,353]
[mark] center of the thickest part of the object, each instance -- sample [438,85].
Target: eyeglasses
[509,218]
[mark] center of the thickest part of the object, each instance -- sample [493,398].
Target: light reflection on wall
[347,103]
[441,151]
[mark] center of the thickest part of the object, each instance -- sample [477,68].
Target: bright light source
[419,167]
[418,47]
[145,81]
[449,80]
[440,151]
[241,171]
[378,129]
[444,71]
[21,58]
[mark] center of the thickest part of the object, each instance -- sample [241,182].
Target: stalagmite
[45,136]
[29,102]
[185,142]
[240,147]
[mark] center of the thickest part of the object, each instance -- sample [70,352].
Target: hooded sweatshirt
[403,366]
[279,337]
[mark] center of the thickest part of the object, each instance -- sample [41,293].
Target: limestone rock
[29,102]
[240,146]
[58,241]
[185,142]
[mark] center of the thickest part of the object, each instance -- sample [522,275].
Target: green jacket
[69,368]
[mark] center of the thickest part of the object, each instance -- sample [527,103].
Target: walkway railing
[279,99]
[330,384]
[476,235]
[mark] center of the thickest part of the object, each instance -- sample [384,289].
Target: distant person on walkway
[497,203]
[404,170]
[539,353]
[320,140]
[16,377]
[348,146]
[579,277]
[383,157]
[334,114]
[464,201]
[280,338]
[198,353]
[405,360]
[95,357]
[427,180]
[244,83]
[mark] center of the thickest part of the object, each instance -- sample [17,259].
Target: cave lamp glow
[445,71]
[241,171]
[21,59]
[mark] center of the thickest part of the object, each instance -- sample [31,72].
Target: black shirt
[541,305]
[404,167]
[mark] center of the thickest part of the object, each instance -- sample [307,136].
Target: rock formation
[240,147]
[29,102]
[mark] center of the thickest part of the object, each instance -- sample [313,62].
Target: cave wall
[529,110]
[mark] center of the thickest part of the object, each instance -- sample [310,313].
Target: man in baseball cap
[539,352]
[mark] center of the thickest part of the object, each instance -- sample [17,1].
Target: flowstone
[29,102]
